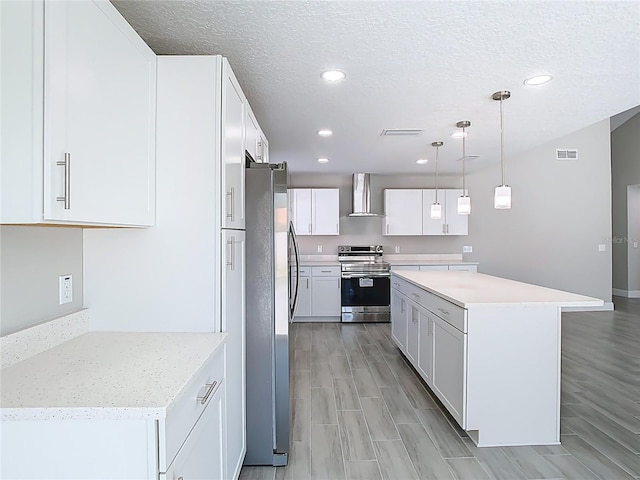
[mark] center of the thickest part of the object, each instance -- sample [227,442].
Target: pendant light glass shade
[464,205]
[464,201]
[436,208]
[436,211]
[502,196]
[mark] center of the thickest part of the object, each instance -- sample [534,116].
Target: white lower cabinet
[422,325]
[412,333]
[319,293]
[425,345]
[188,442]
[203,453]
[448,366]
[399,319]
[325,297]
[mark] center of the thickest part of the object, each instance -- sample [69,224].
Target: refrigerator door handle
[292,232]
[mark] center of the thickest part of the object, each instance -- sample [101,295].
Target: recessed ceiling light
[459,134]
[325,132]
[537,80]
[323,160]
[333,75]
[422,161]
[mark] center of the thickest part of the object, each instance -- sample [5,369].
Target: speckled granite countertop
[106,375]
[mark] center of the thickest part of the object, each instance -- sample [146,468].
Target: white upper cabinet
[263,148]
[233,158]
[456,224]
[403,212]
[251,129]
[451,223]
[78,116]
[315,211]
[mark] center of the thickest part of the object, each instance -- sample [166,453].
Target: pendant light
[436,208]
[502,197]
[464,201]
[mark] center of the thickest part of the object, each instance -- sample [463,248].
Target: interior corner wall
[31,260]
[625,171]
[560,215]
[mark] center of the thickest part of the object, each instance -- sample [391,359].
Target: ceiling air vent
[400,132]
[469,157]
[566,154]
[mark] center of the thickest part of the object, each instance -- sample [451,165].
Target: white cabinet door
[429,226]
[99,117]
[203,454]
[251,134]
[326,208]
[399,320]
[233,323]
[455,224]
[412,333]
[414,268]
[325,297]
[449,366]
[303,304]
[403,210]
[233,161]
[425,347]
[302,211]
[263,148]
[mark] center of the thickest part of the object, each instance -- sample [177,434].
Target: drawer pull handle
[442,310]
[396,284]
[211,387]
[325,271]
[415,295]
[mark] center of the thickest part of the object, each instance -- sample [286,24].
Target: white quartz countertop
[468,289]
[106,375]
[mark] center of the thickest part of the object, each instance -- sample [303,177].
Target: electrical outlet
[65,289]
[319,248]
[602,248]
[396,249]
[467,249]
[635,244]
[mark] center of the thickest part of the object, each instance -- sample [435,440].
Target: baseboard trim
[626,293]
[607,307]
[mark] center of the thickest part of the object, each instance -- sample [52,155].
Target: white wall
[561,213]
[31,260]
[625,171]
[633,240]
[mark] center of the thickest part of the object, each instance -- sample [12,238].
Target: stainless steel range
[365,284]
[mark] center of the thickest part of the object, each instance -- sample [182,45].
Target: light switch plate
[602,248]
[65,289]
[319,248]
[397,249]
[467,249]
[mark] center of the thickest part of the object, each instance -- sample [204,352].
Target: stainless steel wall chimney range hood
[362,197]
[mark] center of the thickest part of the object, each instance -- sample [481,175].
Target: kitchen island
[117,405]
[488,348]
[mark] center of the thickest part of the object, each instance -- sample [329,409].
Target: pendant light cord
[502,141]
[464,163]
[437,149]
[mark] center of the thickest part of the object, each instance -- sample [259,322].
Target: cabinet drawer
[331,271]
[452,314]
[188,408]
[304,271]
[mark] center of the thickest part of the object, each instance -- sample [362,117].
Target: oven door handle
[366,275]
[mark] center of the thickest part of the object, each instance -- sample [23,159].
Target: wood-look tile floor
[358,411]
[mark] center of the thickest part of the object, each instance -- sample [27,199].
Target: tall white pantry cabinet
[188,272]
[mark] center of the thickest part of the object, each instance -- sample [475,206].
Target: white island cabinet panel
[489,348]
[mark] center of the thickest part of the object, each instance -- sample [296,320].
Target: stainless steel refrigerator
[269,308]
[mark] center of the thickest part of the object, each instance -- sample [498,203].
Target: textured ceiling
[409,64]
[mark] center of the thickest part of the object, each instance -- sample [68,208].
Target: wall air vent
[566,154]
[400,132]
